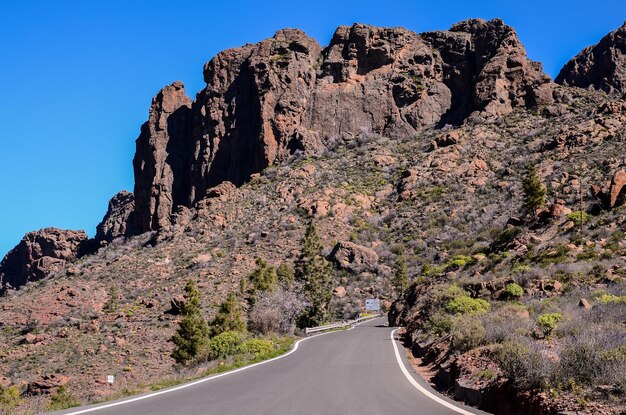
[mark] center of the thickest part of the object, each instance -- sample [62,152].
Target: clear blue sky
[78,77]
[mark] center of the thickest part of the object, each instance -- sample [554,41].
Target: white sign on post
[110,379]
[372,304]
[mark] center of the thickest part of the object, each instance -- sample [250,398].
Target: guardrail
[340,325]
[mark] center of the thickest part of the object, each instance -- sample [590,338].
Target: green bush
[458,261]
[225,344]
[466,305]
[612,299]
[256,347]
[576,217]
[512,291]
[63,399]
[548,321]
[9,399]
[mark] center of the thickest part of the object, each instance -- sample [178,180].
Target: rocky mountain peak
[601,66]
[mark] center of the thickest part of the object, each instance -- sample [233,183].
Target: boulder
[38,255]
[354,258]
[559,209]
[339,292]
[617,184]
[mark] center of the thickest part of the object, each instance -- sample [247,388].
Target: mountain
[399,147]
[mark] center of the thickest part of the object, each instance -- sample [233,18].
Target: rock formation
[265,101]
[38,255]
[601,66]
[160,163]
[353,257]
[117,220]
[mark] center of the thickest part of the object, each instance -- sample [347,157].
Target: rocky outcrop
[487,70]
[161,159]
[117,220]
[601,66]
[265,101]
[38,255]
[617,184]
[354,258]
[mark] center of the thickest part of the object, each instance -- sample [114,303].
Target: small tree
[229,317]
[534,191]
[263,278]
[285,275]
[315,273]
[401,277]
[192,335]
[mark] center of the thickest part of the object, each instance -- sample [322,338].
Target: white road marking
[419,387]
[196,382]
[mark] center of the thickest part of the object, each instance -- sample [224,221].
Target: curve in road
[355,372]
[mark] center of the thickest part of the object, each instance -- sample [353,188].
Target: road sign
[110,379]
[372,304]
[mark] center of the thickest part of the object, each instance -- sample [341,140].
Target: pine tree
[315,272]
[285,275]
[263,278]
[192,335]
[229,317]
[534,191]
[401,278]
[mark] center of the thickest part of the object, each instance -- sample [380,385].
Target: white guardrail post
[310,330]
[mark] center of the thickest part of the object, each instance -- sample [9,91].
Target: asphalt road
[353,372]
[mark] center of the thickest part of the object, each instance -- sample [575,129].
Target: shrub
[612,299]
[257,347]
[548,321]
[467,333]
[9,399]
[577,216]
[504,323]
[512,291]
[63,399]
[596,356]
[276,312]
[458,261]
[225,344]
[523,364]
[466,305]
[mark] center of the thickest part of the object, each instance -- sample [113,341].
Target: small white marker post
[110,380]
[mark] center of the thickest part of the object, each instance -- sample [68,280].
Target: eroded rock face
[38,255]
[161,163]
[487,70]
[601,66]
[265,101]
[117,220]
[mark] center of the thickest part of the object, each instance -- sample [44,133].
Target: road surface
[355,372]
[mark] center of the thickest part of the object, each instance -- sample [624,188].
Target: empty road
[355,372]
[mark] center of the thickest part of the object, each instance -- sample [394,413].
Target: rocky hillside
[397,145]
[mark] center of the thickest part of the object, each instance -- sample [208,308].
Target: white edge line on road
[419,387]
[196,382]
